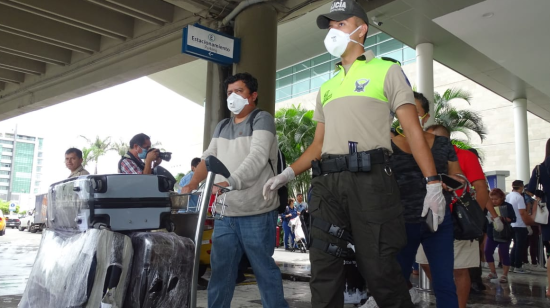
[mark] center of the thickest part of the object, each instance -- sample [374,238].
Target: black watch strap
[428,179]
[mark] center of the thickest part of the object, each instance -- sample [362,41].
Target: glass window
[382,37]
[38,169]
[282,94]
[389,46]
[40,161]
[6,157]
[409,53]
[37,183]
[22,167]
[40,141]
[320,69]
[300,88]
[301,66]
[4,180]
[39,154]
[283,82]
[371,40]
[4,172]
[35,191]
[317,81]
[7,150]
[301,76]
[397,55]
[6,165]
[284,72]
[6,142]
[320,59]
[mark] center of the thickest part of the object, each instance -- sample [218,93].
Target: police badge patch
[360,85]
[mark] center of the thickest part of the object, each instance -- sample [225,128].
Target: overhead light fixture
[488,15]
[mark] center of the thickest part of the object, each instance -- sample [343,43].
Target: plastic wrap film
[161,271]
[79,269]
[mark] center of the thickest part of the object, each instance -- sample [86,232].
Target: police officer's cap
[341,10]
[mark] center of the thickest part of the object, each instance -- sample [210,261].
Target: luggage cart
[192,223]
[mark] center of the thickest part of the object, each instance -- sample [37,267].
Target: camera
[166,156]
[376,22]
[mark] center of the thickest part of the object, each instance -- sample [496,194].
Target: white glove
[278,181]
[529,230]
[434,201]
[497,224]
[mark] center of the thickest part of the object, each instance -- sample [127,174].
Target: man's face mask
[337,41]
[236,103]
[143,153]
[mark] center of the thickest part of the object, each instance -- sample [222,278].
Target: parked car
[13,222]
[2,224]
[26,222]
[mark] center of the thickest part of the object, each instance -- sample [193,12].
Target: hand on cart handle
[187,189]
[217,188]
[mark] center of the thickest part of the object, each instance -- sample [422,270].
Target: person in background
[497,197]
[73,162]
[287,215]
[187,178]
[140,149]
[467,254]
[439,244]
[540,179]
[515,198]
[300,204]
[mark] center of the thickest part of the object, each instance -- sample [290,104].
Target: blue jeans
[439,250]
[288,234]
[254,236]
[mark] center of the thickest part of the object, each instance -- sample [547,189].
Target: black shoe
[477,288]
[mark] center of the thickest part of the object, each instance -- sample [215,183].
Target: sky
[119,112]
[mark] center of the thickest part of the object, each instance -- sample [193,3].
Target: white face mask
[421,119]
[236,103]
[337,41]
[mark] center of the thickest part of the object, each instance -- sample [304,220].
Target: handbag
[506,234]
[468,217]
[541,216]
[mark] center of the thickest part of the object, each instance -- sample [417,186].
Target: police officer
[355,199]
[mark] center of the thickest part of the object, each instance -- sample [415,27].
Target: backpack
[281,165]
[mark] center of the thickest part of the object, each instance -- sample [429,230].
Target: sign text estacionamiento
[209,45]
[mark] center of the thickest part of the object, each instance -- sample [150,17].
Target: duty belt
[356,162]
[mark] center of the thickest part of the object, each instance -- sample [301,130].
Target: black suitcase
[161,272]
[121,202]
[79,269]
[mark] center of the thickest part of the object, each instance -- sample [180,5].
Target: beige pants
[466,254]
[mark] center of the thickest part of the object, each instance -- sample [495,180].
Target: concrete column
[215,107]
[425,75]
[256,26]
[522,141]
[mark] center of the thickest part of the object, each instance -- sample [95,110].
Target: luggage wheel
[100,225]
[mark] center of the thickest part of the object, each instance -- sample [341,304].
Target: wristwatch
[428,179]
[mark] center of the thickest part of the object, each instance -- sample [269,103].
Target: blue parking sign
[12,207]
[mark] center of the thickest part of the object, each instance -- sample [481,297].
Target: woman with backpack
[501,239]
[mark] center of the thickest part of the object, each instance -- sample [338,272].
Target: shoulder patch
[391,60]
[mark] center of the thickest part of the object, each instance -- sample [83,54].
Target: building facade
[20,166]
[299,84]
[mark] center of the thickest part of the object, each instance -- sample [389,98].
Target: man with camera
[140,149]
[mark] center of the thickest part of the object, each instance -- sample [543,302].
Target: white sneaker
[415,296]
[371,303]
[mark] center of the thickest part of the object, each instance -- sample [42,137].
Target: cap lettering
[338,6]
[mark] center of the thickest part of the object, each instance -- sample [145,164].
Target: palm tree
[99,147]
[464,121]
[295,132]
[87,156]
[120,147]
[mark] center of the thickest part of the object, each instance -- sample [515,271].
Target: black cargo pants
[368,205]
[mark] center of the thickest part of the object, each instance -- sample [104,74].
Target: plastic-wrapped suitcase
[122,202]
[161,273]
[79,269]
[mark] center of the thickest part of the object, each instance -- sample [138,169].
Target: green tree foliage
[295,132]
[87,156]
[468,122]
[99,147]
